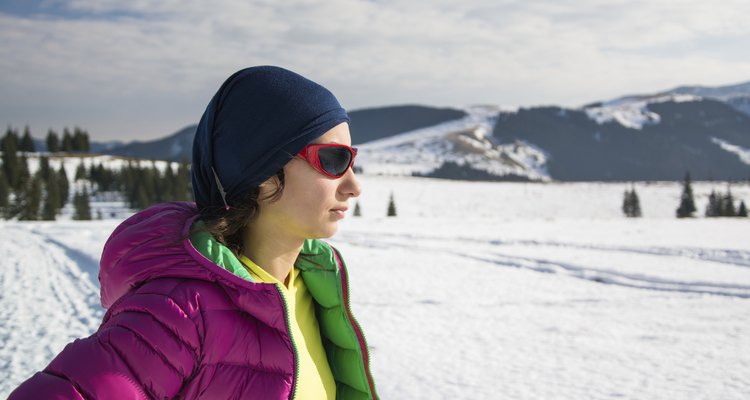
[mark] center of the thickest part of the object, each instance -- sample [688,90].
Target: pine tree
[357,211]
[30,199]
[4,195]
[53,142]
[80,172]
[52,197]
[627,204]
[27,143]
[687,202]
[183,190]
[82,208]
[79,140]
[726,207]
[44,169]
[713,206]
[631,205]
[10,139]
[636,204]
[23,170]
[168,183]
[64,185]
[391,207]
[86,143]
[742,211]
[67,141]
[11,162]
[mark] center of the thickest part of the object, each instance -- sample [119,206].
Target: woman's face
[311,203]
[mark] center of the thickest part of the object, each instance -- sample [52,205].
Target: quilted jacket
[180,326]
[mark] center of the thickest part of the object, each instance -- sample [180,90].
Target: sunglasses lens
[334,160]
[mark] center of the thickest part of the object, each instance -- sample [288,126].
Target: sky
[144,69]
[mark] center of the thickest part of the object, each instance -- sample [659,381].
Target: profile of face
[311,203]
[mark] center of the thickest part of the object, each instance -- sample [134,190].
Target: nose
[349,185]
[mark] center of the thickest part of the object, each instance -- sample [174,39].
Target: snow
[633,112]
[475,291]
[72,162]
[464,141]
[741,152]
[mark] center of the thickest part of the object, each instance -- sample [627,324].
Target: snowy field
[476,291]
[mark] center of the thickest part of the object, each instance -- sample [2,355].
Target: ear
[270,190]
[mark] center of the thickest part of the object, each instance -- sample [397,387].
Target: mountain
[377,123]
[648,137]
[367,125]
[654,139]
[738,96]
[459,149]
[175,147]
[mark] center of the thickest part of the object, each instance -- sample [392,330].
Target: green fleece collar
[206,244]
[315,255]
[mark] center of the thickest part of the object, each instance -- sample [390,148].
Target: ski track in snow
[598,275]
[32,284]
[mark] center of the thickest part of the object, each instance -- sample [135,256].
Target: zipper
[295,351]
[355,325]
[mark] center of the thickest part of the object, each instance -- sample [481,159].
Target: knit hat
[260,118]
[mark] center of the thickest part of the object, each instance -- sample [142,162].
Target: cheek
[305,197]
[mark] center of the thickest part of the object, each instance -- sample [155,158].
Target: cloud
[149,64]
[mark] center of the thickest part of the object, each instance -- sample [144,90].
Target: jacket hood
[152,244]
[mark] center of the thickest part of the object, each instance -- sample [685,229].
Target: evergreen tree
[742,211]
[23,170]
[80,172]
[64,185]
[11,140]
[636,204]
[713,206]
[687,202]
[53,142]
[30,199]
[82,208]
[168,183]
[4,196]
[627,206]
[44,169]
[391,207]
[726,206]
[11,162]
[142,198]
[67,141]
[52,197]
[631,205]
[27,143]
[80,140]
[357,211]
[183,190]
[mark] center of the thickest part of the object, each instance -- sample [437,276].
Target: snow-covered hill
[494,290]
[467,141]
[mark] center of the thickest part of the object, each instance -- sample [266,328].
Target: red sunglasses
[331,159]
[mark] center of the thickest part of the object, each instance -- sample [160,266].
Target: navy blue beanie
[260,118]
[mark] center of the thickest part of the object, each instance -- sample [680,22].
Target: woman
[233,297]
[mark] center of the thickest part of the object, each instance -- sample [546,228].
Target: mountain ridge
[657,136]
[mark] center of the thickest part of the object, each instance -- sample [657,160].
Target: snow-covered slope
[632,112]
[502,290]
[467,141]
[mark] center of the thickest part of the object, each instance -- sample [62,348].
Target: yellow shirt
[315,380]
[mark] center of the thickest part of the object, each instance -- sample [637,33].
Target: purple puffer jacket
[180,326]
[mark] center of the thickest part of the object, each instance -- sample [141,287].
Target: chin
[327,232]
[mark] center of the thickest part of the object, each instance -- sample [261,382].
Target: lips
[339,212]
